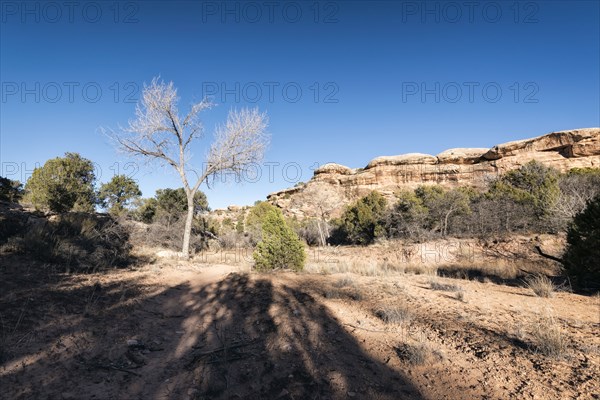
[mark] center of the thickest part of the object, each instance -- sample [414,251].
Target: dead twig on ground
[224,348]
[367,329]
[113,367]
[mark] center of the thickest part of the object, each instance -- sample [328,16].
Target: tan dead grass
[549,337]
[541,285]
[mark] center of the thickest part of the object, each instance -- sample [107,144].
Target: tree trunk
[321,235]
[185,251]
[445,231]
[326,231]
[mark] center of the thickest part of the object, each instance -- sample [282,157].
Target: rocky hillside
[334,185]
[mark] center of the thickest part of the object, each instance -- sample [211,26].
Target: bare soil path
[215,332]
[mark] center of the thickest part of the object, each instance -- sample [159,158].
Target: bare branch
[133,147]
[240,142]
[157,133]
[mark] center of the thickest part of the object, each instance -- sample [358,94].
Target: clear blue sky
[376,78]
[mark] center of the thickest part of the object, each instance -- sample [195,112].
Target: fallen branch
[124,370]
[238,357]
[199,355]
[366,329]
[549,256]
[233,346]
[110,366]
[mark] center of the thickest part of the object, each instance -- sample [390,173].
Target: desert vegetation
[280,247]
[531,199]
[299,200]
[523,202]
[409,293]
[159,133]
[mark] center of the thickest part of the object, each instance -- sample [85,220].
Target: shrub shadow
[237,337]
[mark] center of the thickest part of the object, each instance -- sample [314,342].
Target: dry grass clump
[344,282]
[460,295]
[446,287]
[350,289]
[541,285]
[355,294]
[326,267]
[336,293]
[373,268]
[415,354]
[549,337]
[418,351]
[344,287]
[420,269]
[333,294]
[393,314]
[336,264]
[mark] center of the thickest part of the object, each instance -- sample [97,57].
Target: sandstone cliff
[463,166]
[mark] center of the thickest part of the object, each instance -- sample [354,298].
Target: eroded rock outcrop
[451,168]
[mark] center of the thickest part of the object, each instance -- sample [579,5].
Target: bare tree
[159,133]
[576,191]
[319,200]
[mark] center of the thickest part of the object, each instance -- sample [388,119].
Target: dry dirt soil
[198,331]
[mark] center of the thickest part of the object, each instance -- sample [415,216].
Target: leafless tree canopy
[158,132]
[318,201]
[576,191]
[238,143]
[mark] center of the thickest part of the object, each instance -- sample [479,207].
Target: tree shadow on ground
[237,337]
[480,275]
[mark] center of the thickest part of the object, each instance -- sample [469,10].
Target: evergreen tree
[280,247]
[63,184]
[582,256]
[118,193]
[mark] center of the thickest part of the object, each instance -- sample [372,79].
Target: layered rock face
[451,168]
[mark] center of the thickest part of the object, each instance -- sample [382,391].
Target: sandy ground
[200,331]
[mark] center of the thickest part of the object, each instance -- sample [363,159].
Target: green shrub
[407,217]
[118,193]
[280,247]
[582,256]
[145,210]
[171,204]
[253,221]
[239,224]
[11,224]
[585,171]
[167,206]
[227,225]
[443,206]
[533,184]
[10,190]
[362,222]
[63,184]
